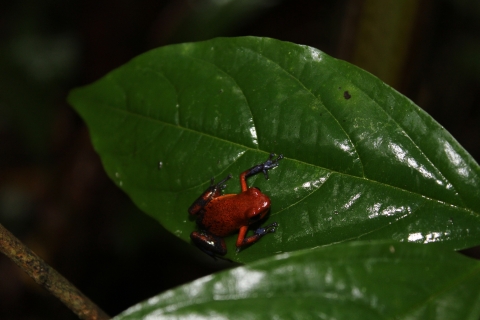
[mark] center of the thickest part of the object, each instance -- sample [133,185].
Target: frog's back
[226,214]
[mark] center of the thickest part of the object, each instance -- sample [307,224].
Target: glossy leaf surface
[362,161]
[356,280]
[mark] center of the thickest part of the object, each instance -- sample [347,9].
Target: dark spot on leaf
[346,95]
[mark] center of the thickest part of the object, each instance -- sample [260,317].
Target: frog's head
[260,205]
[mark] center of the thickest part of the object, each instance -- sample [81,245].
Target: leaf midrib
[141,116]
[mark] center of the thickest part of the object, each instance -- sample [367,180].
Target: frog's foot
[220,185]
[271,163]
[264,167]
[267,229]
[216,188]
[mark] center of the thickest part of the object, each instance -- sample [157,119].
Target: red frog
[220,215]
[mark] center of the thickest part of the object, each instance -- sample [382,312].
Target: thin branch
[48,278]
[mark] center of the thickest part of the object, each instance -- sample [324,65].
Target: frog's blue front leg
[262,167]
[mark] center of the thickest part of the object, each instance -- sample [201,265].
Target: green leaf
[362,161]
[356,280]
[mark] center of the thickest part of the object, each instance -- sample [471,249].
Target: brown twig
[48,278]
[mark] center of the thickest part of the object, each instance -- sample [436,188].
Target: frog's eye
[257,189]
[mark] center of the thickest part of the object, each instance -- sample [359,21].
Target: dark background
[54,194]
